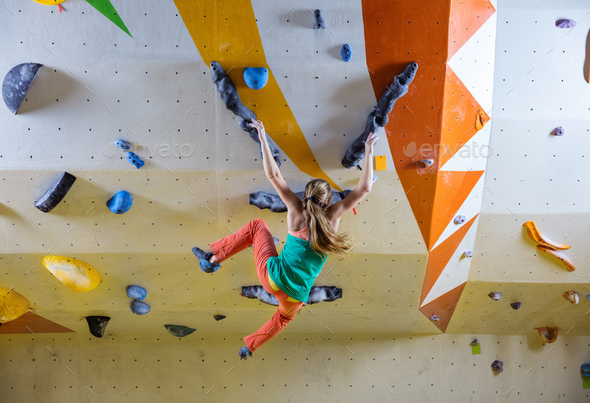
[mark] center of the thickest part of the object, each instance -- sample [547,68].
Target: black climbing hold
[97,324]
[231,98]
[179,330]
[319,21]
[56,193]
[515,305]
[264,200]
[219,317]
[379,116]
[255,77]
[317,294]
[345,52]
[17,82]
[498,366]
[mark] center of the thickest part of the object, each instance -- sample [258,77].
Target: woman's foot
[245,353]
[207,260]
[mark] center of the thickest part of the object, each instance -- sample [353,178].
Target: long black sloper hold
[231,98]
[379,116]
[273,202]
[56,193]
[317,294]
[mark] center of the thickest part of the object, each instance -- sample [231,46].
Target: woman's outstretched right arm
[362,189]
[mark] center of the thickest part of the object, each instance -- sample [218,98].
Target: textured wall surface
[153,88]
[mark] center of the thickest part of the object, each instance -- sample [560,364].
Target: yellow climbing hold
[536,236]
[74,273]
[12,305]
[49,2]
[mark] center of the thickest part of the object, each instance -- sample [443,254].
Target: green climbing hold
[108,10]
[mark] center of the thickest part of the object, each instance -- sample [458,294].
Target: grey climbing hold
[498,366]
[460,219]
[135,160]
[515,305]
[264,200]
[316,294]
[56,193]
[319,21]
[97,324]
[139,308]
[16,84]
[558,131]
[427,162]
[468,253]
[219,317]
[255,77]
[122,144]
[565,23]
[136,292]
[496,296]
[121,202]
[231,98]
[324,293]
[179,330]
[345,52]
[379,116]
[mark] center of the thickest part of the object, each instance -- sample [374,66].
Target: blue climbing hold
[255,77]
[139,308]
[586,369]
[136,292]
[125,145]
[121,202]
[345,52]
[134,159]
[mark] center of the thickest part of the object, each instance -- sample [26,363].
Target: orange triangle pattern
[452,188]
[458,119]
[438,109]
[440,256]
[443,307]
[30,322]
[467,16]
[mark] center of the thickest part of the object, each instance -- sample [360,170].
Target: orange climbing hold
[564,259]
[548,334]
[536,236]
[480,120]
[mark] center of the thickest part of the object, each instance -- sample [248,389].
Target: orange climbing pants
[256,233]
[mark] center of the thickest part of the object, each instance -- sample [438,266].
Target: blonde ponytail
[322,237]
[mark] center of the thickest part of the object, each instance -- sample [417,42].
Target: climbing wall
[115,70]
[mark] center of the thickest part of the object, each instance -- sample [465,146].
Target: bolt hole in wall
[109,158]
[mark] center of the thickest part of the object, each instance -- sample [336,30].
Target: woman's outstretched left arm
[273,172]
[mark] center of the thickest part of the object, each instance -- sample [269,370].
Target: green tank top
[296,268]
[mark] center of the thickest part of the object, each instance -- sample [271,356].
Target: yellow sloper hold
[12,305]
[563,258]
[227,32]
[49,2]
[74,273]
[536,236]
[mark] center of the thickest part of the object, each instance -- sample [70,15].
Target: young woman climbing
[312,226]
